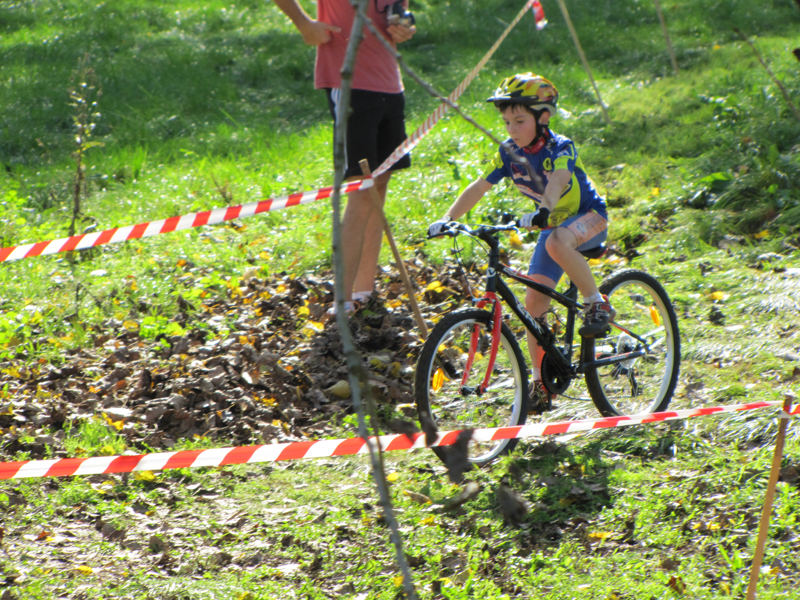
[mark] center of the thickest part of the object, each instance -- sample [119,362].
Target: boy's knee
[559,239]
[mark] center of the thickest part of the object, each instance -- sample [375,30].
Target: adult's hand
[316,33]
[401,33]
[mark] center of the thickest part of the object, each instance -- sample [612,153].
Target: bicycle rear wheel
[438,388]
[645,384]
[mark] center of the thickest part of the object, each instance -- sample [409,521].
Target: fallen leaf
[677,585]
[418,498]
[340,389]
[438,380]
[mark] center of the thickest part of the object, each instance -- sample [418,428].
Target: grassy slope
[205,98]
[204,105]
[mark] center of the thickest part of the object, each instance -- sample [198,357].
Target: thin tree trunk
[356,372]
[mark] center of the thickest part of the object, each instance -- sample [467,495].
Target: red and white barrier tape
[431,121]
[219,215]
[143,230]
[218,457]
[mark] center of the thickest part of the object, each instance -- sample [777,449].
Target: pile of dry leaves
[259,363]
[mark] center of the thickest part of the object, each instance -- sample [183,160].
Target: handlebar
[484,232]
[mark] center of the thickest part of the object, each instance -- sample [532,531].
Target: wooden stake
[666,36]
[376,200]
[769,496]
[583,58]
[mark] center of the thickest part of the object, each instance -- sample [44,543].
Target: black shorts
[375,129]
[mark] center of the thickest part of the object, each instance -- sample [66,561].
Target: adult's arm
[315,33]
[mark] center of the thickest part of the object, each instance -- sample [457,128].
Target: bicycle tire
[439,374]
[646,384]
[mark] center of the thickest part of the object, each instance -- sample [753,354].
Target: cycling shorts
[590,229]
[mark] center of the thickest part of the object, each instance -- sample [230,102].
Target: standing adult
[376,125]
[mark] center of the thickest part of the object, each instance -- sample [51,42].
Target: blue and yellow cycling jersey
[580,196]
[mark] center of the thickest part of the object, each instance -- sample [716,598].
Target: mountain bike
[472,373]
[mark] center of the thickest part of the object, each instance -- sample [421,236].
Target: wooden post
[769,496]
[583,58]
[376,201]
[666,36]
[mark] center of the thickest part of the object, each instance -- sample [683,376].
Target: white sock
[537,374]
[598,297]
[362,295]
[348,307]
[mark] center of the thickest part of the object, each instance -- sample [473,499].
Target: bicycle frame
[497,290]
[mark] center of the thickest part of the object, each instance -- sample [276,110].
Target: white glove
[437,228]
[535,219]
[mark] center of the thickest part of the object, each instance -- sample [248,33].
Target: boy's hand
[437,227]
[535,219]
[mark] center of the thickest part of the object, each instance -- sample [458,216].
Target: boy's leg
[583,231]
[547,272]
[539,399]
[561,245]
[537,304]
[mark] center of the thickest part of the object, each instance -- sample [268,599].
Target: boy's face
[520,125]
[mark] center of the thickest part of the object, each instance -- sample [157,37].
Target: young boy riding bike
[569,211]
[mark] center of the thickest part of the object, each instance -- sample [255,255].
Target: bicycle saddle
[594,252]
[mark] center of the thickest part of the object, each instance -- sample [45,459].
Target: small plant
[83,98]
[93,437]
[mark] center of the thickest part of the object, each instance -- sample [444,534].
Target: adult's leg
[390,134]
[361,224]
[373,236]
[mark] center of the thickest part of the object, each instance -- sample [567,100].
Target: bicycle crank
[555,382]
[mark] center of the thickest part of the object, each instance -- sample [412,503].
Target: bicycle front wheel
[453,363]
[645,322]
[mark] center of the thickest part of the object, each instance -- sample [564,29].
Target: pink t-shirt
[376,70]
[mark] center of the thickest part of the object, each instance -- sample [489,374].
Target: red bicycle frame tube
[498,322]
[473,342]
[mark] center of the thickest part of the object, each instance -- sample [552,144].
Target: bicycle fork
[497,323]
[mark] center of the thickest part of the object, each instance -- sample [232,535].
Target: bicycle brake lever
[507,218]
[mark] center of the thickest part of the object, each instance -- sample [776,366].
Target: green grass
[615,513]
[207,104]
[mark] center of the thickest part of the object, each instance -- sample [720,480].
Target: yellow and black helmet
[529,89]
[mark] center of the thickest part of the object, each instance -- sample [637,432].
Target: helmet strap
[543,134]
[542,137]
